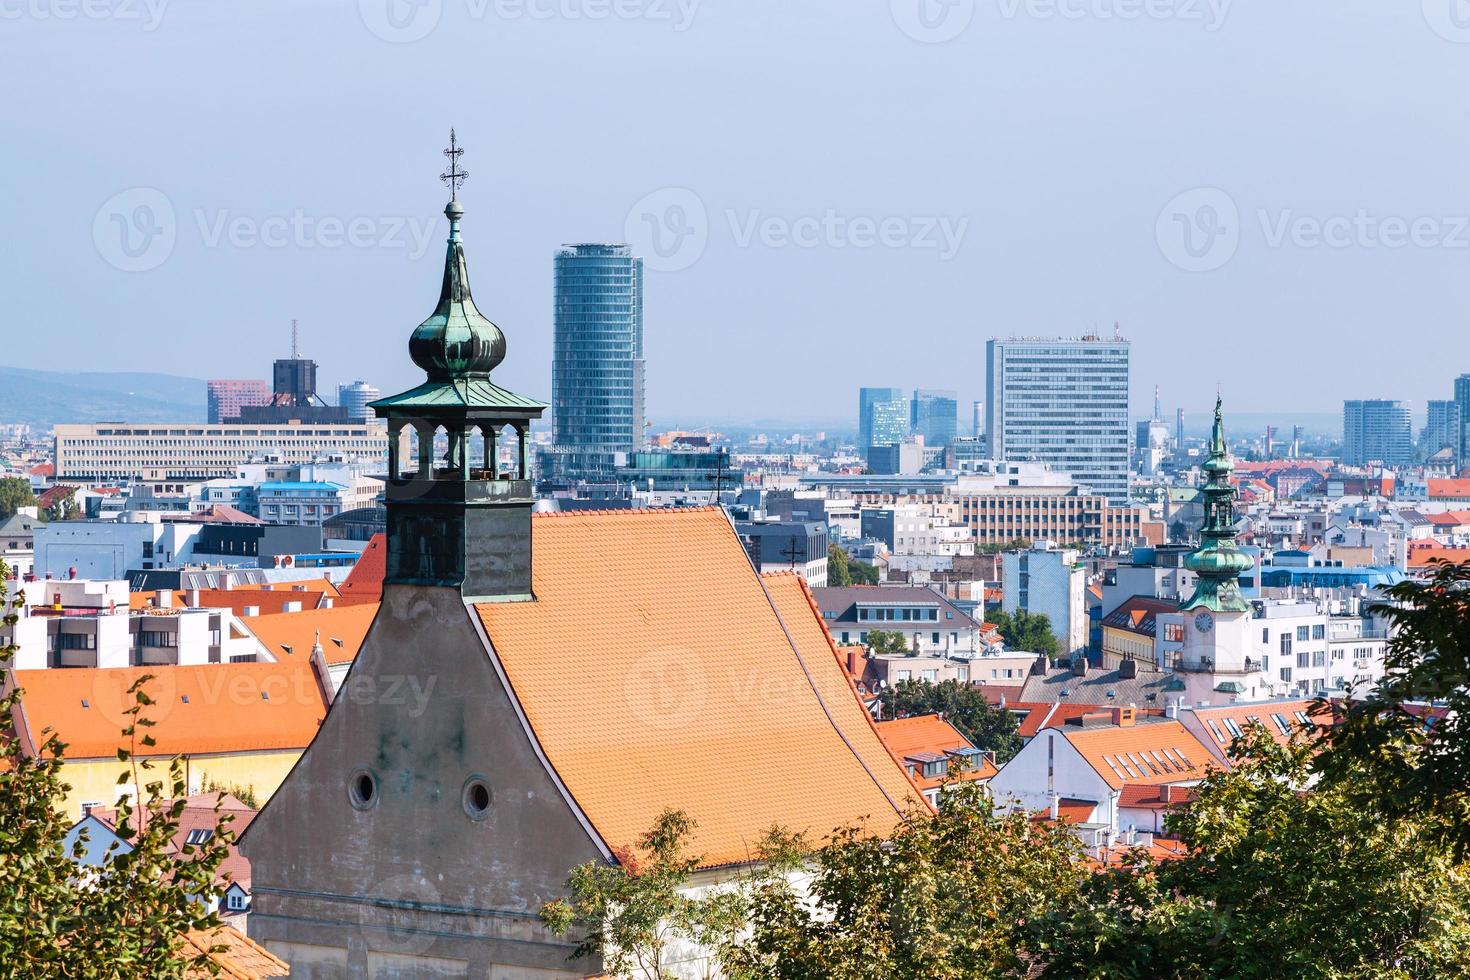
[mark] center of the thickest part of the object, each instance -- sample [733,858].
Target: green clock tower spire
[1219,562]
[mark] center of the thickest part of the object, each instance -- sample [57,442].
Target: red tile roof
[1448,488]
[365,581]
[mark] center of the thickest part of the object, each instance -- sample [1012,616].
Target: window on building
[1286,643]
[1302,632]
[1286,674]
[1319,631]
[1319,658]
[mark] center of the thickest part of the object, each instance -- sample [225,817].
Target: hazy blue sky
[829,192]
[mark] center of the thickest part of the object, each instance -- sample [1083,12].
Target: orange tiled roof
[1458,487]
[930,734]
[688,691]
[365,581]
[1422,553]
[1242,716]
[203,709]
[1151,752]
[292,635]
[242,958]
[1035,715]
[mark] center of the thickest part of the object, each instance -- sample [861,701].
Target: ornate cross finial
[453,176]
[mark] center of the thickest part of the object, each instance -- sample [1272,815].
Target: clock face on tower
[1204,622]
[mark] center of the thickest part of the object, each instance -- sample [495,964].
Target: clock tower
[1217,619]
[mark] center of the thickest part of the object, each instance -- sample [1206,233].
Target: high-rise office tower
[1377,431]
[1179,431]
[868,401]
[1442,429]
[935,416]
[597,359]
[1462,399]
[1064,403]
[356,398]
[226,398]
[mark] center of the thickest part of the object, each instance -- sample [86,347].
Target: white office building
[1064,403]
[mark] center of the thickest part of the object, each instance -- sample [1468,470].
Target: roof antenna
[295,345]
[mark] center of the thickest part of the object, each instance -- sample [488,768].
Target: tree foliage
[943,897]
[888,642]
[119,920]
[844,570]
[1026,632]
[1279,881]
[15,493]
[1420,756]
[635,913]
[989,728]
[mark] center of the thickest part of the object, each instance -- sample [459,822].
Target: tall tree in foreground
[944,897]
[123,919]
[1279,881]
[1420,756]
[636,915]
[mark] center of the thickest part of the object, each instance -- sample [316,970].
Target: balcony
[1207,666]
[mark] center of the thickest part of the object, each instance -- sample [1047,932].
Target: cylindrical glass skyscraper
[597,359]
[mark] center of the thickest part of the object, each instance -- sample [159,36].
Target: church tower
[1217,618]
[460,519]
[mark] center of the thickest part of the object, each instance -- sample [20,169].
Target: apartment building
[130,453]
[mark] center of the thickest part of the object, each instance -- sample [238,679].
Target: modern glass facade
[1064,403]
[1377,431]
[1442,429]
[597,358]
[935,415]
[887,405]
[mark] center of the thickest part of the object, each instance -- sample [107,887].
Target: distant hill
[44,398]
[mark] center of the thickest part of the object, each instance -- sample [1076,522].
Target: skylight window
[1232,726]
[1215,730]
[1281,724]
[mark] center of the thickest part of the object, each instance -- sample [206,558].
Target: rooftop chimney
[1079,665]
[1128,669]
[1123,717]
